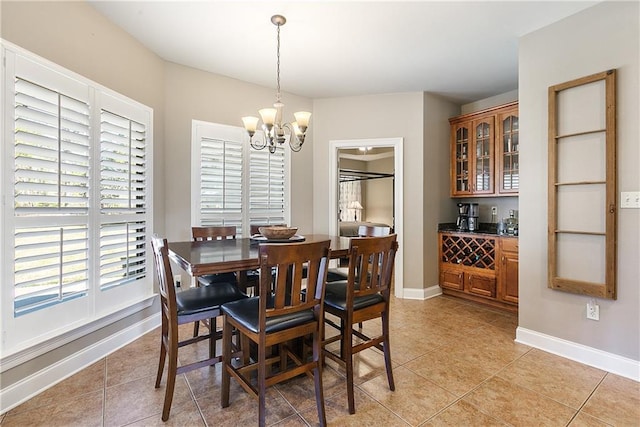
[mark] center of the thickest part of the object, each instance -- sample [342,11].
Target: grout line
[587,399]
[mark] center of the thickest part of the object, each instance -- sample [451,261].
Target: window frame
[23,336]
[237,134]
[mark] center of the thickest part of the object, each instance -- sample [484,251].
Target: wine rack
[469,251]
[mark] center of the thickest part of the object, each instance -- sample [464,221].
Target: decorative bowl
[278,232]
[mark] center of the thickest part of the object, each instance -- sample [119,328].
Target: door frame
[396,144]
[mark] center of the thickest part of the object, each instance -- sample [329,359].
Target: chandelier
[276,132]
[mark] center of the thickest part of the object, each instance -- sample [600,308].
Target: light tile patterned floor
[455,364]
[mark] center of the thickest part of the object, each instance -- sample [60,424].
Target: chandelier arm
[295,143]
[260,143]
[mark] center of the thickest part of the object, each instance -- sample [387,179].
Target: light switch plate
[630,199]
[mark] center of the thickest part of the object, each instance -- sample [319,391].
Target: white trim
[397,144]
[422,294]
[609,362]
[24,355]
[25,389]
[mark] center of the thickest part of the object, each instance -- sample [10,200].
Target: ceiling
[462,50]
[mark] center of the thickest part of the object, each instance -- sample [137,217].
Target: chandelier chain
[278,66]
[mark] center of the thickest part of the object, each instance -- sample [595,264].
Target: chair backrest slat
[288,261]
[371,263]
[213,233]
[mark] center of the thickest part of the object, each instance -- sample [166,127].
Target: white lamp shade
[268,116]
[250,123]
[302,119]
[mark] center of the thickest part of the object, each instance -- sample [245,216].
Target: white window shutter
[267,186]
[220,182]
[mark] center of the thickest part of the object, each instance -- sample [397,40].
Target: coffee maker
[463,217]
[474,213]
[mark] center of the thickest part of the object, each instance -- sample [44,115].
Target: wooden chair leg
[226,361]
[196,329]
[348,358]
[387,350]
[171,382]
[163,356]
[212,337]
[262,387]
[317,378]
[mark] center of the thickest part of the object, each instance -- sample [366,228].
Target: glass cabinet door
[483,164]
[509,155]
[462,157]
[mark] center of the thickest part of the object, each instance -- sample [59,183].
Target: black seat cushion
[204,298]
[217,278]
[246,313]
[336,275]
[336,296]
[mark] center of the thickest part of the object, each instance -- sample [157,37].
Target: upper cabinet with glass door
[508,154]
[484,152]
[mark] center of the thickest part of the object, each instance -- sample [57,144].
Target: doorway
[379,148]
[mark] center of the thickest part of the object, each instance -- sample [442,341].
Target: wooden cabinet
[508,270]
[483,147]
[479,267]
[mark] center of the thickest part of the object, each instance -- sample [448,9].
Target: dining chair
[177,308]
[360,298]
[253,276]
[338,274]
[200,234]
[277,316]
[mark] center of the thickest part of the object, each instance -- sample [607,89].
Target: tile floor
[455,364]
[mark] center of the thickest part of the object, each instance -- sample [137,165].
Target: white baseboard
[30,386]
[422,294]
[609,362]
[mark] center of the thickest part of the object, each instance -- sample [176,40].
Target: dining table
[233,255]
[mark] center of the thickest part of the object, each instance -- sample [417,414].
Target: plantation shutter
[123,181]
[221,182]
[267,187]
[51,196]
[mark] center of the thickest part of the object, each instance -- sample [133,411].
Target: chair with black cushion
[177,308]
[338,274]
[253,276]
[275,318]
[360,298]
[200,234]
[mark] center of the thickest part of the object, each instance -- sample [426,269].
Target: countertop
[485,228]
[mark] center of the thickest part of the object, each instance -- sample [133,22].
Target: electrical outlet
[593,310]
[494,210]
[177,280]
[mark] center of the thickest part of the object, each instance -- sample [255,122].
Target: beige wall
[75,36]
[194,94]
[437,206]
[421,120]
[603,37]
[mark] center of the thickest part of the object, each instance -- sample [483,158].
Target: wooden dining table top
[230,255]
